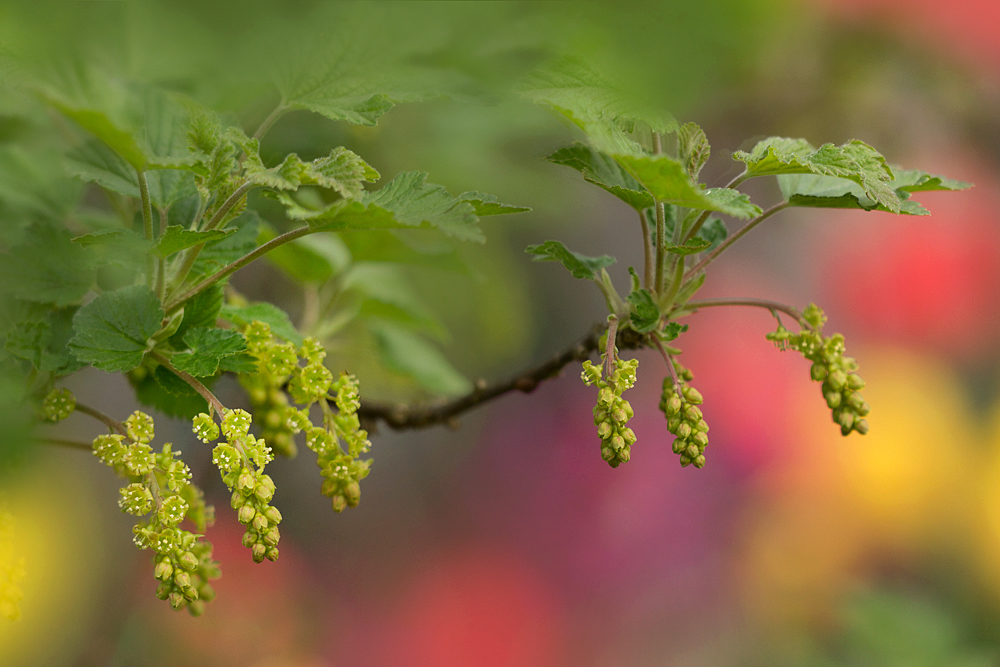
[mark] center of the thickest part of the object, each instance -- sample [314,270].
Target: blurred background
[509,541]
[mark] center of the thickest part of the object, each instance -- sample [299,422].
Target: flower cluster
[679,404]
[241,461]
[340,441]
[342,469]
[12,570]
[841,385]
[58,404]
[160,486]
[612,412]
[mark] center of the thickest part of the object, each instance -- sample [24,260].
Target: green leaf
[404,247]
[167,393]
[580,266]
[811,191]
[604,171]
[408,354]
[693,147]
[669,182]
[94,162]
[645,315]
[360,63]
[672,331]
[485,204]
[715,232]
[33,187]
[201,310]
[342,171]
[855,161]
[243,362]
[267,313]
[47,267]
[405,201]
[176,238]
[310,259]
[113,330]
[208,346]
[43,342]
[217,254]
[915,180]
[690,247]
[124,239]
[573,88]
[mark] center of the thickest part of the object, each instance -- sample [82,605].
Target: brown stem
[755,303]
[112,424]
[401,417]
[193,382]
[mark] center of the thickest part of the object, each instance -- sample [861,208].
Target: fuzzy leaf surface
[208,346]
[645,314]
[668,181]
[113,330]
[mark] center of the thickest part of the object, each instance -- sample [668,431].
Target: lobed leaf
[580,266]
[668,181]
[176,238]
[113,330]
[811,191]
[281,325]
[645,315]
[208,346]
[485,204]
[855,161]
[604,171]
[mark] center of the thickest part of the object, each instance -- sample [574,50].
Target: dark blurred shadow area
[508,541]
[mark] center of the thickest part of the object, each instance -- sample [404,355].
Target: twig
[755,303]
[112,424]
[278,112]
[177,301]
[193,382]
[647,250]
[733,239]
[401,417]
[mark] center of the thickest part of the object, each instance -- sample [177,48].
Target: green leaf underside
[855,161]
[604,171]
[693,148]
[580,266]
[485,204]
[574,89]
[113,330]
[267,313]
[407,201]
[806,190]
[208,346]
[410,355]
[915,180]
[667,180]
[692,246]
[95,162]
[176,238]
[646,315]
[47,268]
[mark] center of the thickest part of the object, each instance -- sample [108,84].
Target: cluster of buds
[160,486]
[841,384]
[241,461]
[276,362]
[612,412]
[12,570]
[679,404]
[340,441]
[58,404]
[339,444]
